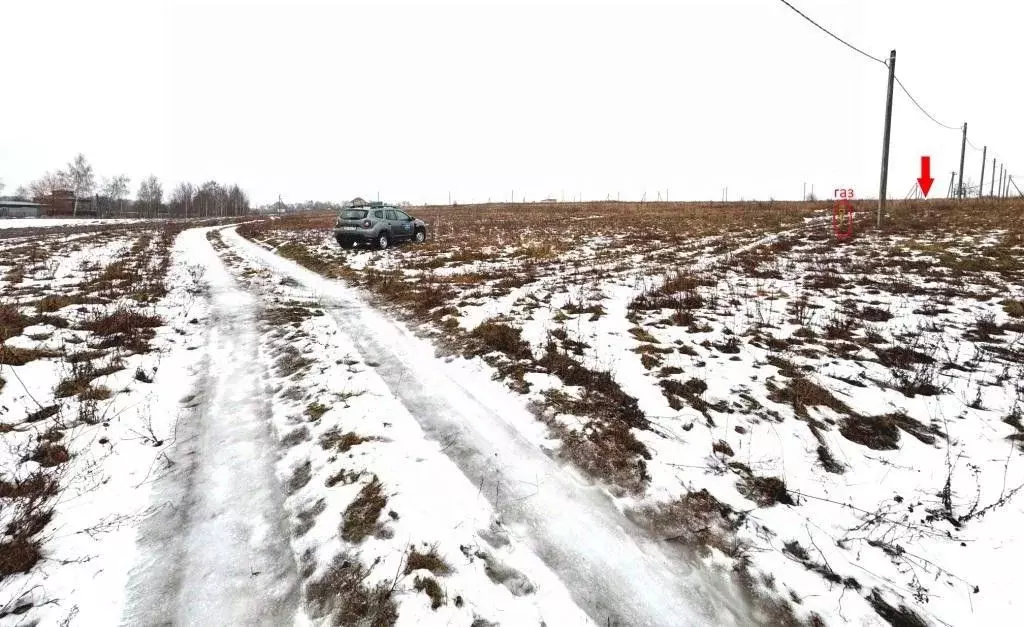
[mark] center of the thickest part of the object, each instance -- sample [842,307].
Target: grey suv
[377,224]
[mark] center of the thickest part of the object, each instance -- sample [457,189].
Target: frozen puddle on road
[216,551]
[614,571]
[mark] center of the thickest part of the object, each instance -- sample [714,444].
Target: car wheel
[343,242]
[383,241]
[421,236]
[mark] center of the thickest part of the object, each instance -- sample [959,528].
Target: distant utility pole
[963,148]
[984,158]
[885,138]
[1001,167]
[952,179]
[992,184]
[1017,188]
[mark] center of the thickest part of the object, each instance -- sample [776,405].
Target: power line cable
[886,64]
[833,35]
[918,105]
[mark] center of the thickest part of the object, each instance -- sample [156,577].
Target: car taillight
[366,224]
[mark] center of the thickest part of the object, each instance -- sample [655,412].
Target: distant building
[19,209]
[61,202]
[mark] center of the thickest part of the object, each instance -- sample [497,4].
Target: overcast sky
[328,100]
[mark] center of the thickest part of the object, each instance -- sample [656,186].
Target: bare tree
[182,199]
[81,177]
[48,183]
[150,195]
[116,189]
[22,193]
[2,186]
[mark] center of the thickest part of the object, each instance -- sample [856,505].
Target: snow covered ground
[96,357]
[35,223]
[617,418]
[836,424]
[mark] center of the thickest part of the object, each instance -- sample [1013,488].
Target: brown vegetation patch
[426,561]
[765,491]
[1014,308]
[12,322]
[698,520]
[13,356]
[800,554]
[802,393]
[360,518]
[43,413]
[341,442]
[902,357]
[123,321]
[882,433]
[18,555]
[343,594]
[48,454]
[432,589]
[900,616]
[300,477]
[290,361]
[498,336]
[35,486]
[291,314]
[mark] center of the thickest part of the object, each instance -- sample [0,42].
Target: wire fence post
[1017,188]
[885,139]
[963,149]
[981,184]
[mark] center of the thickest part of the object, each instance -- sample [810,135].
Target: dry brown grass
[361,516]
[343,594]
[498,336]
[12,321]
[426,561]
[334,439]
[13,356]
[123,321]
[432,589]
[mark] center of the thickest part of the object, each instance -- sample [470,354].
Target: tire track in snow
[614,570]
[216,552]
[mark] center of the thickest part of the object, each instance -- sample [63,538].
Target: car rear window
[353,214]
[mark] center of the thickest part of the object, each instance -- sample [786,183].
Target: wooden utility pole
[992,184]
[1001,167]
[952,179]
[984,157]
[885,139]
[963,149]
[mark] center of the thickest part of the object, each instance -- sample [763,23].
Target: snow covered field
[835,425]
[579,415]
[35,223]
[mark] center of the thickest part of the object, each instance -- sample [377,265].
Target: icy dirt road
[216,551]
[614,570]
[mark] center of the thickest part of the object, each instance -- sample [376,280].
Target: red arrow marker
[926,179]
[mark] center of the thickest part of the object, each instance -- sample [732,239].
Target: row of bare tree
[112,197]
